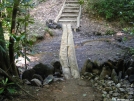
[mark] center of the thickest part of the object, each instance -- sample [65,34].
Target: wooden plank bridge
[69,17]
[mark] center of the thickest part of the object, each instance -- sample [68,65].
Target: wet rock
[116,94]
[25,81]
[120,75]
[114,76]
[37,76]
[51,24]
[129,71]
[131,78]
[43,69]
[105,71]
[28,74]
[57,68]
[88,65]
[36,82]
[96,71]
[48,79]
[118,85]
[121,89]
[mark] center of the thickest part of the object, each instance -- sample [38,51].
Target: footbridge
[69,17]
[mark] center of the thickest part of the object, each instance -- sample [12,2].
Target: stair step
[69,15]
[68,10]
[72,5]
[68,19]
[71,2]
[69,7]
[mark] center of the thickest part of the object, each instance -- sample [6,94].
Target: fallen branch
[10,78]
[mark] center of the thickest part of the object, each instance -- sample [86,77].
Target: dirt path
[87,45]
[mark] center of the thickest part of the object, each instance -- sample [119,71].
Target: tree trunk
[11,45]
[4,58]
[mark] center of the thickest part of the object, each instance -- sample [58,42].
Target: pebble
[112,91]
[122,89]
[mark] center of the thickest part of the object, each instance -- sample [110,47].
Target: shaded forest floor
[90,42]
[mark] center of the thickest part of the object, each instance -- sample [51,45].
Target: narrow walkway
[69,17]
[67,54]
[70,14]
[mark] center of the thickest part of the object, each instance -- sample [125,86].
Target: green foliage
[81,2]
[131,51]
[22,21]
[47,30]
[129,30]
[114,9]
[6,87]
[110,32]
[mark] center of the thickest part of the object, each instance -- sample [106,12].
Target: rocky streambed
[115,79]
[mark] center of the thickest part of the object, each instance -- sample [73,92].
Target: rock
[111,92]
[120,75]
[114,99]
[25,81]
[96,71]
[129,71]
[36,82]
[88,65]
[105,71]
[118,85]
[104,92]
[37,76]
[43,69]
[114,76]
[116,94]
[48,79]
[131,78]
[122,89]
[131,92]
[51,24]
[28,74]
[57,67]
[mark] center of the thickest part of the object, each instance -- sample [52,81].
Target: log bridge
[69,17]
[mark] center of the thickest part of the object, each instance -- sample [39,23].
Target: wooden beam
[71,54]
[63,53]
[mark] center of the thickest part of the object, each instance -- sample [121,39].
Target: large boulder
[28,74]
[43,69]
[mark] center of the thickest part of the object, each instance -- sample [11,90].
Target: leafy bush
[114,9]
[6,87]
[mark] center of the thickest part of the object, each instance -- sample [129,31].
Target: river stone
[26,81]
[28,74]
[118,85]
[36,82]
[87,67]
[129,71]
[111,92]
[37,76]
[114,76]
[116,94]
[131,92]
[105,71]
[95,71]
[122,89]
[131,78]
[48,79]
[114,99]
[104,92]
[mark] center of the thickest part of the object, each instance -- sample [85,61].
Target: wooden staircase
[70,14]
